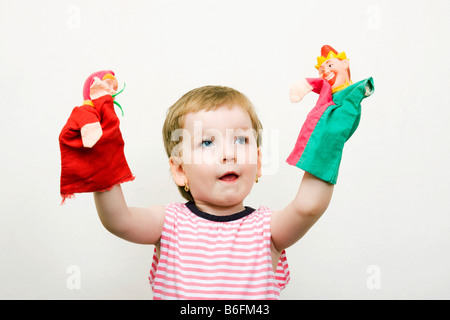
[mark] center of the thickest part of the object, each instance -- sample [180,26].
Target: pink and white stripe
[205,259]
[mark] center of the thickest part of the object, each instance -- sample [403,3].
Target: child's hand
[99,88]
[298,90]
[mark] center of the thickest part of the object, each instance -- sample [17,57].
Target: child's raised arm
[291,223]
[139,225]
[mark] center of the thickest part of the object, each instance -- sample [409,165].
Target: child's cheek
[200,156]
[210,156]
[247,154]
[242,154]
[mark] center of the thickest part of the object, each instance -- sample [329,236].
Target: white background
[386,232]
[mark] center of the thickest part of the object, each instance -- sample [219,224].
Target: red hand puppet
[92,147]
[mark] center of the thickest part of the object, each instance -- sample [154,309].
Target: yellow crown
[331,55]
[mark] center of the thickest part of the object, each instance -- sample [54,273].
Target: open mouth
[331,78]
[229,177]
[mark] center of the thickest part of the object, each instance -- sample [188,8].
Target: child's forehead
[225,116]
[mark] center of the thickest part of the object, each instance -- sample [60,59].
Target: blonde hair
[204,98]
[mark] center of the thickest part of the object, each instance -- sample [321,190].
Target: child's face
[220,157]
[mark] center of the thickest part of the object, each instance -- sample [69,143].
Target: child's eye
[330,65]
[207,143]
[240,140]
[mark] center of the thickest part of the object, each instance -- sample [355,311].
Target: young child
[214,247]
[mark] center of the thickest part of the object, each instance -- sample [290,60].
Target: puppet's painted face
[111,85]
[335,72]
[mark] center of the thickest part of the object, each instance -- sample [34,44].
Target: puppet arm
[299,89]
[90,134]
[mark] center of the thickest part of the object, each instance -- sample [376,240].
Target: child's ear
[259,163]
[178,174]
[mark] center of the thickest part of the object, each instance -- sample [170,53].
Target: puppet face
[108,85]
[335,72]
[111,85]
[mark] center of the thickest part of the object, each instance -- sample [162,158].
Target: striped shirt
[202,256]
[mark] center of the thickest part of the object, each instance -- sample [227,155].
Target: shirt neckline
[232,217]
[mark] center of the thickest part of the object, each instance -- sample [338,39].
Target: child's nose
[229,155]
